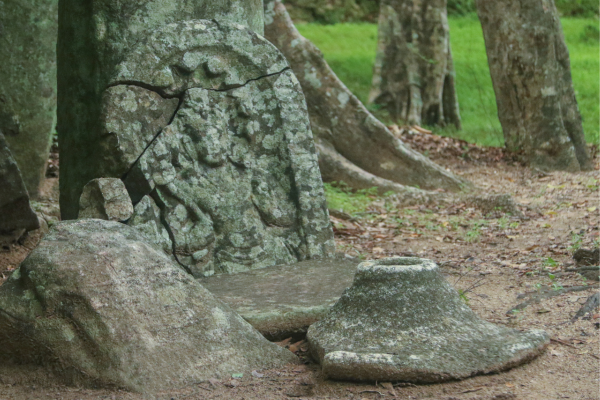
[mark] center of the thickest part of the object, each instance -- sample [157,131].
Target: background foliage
[335,11]
[350,51]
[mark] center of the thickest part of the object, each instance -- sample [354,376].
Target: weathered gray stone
[94,38]
[105,198]
[146,219]
[234,172]
[102,307]
[401,320]
[284,300]
[16,215]
[132,117]
[28,83]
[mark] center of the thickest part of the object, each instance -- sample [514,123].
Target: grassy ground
[350,50]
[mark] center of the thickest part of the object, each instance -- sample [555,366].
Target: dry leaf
[284,343]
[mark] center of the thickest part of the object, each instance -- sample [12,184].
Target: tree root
[368,154]
[591,304]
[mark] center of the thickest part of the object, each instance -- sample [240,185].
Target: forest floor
[496,261]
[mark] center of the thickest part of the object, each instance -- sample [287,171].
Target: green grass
[350,50]
[342,198]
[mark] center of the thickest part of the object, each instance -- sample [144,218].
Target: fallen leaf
[591,209]
[542,311]
[237,376]
[296,346]
[509,385]
[389,387]
[284,343]
[257,374]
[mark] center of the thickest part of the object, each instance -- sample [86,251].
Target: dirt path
[493,260]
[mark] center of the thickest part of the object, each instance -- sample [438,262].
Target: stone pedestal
[401,321]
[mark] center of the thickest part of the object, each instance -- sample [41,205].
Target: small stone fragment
[401,321]
[101,307]
[105,198]
[16,215]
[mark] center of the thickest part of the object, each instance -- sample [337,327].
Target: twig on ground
[539,296]
[563,343]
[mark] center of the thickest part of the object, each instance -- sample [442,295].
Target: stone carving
[101,307]
[401,321]
[105,198]
[95,36]
[208,128]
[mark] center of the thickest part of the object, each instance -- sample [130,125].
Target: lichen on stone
[233,170]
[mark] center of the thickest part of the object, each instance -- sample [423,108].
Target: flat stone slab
[402,321]
[283,300]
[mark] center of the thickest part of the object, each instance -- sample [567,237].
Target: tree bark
[413,77]
[530,69]
[353,146]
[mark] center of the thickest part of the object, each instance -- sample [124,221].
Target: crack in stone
[161,206]
[180,97]
[164,95]
[124,177]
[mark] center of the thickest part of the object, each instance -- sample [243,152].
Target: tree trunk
[28,30]
[530,69]
[353,146]
[413,77]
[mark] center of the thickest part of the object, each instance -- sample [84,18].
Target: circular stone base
[401,321]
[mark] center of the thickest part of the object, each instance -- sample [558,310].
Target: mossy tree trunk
[413,78]
[28,30]
[530,69]
[353,146]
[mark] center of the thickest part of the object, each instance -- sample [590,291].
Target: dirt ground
[496,261]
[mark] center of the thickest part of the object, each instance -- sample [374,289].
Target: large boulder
[401,321]
[28,84]
[102,307]
[208,128]
[16,215]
